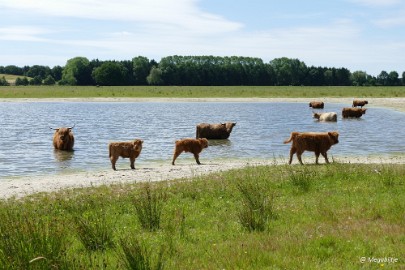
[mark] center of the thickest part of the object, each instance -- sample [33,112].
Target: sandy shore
[21,186]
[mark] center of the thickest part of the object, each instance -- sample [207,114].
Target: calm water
[26,140]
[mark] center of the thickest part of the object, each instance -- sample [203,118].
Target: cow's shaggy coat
[63,138]
[194,146]
[316,104]
[318,142]
[214,131]
[130,150]
[326,117]
[353,112]
[359,103]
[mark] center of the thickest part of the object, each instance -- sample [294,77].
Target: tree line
[196,71]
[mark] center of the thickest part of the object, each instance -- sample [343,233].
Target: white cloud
[182,14]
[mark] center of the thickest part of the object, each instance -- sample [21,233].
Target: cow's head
[63,133]
[316,115]
[229,126]
[334,135]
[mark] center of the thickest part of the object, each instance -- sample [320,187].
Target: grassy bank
[196,91]
[269,217]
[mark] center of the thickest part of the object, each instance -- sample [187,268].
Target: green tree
[37,80]
[77,71]
[22,81]
[393,78]
[141,69]
[289,71]
[359,78]
[155,76]
[109,73]
[3,81]
[382,78]
[49,80]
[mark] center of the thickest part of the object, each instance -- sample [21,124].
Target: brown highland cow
[129,150]
[194,146]
[318,142]
[63,138]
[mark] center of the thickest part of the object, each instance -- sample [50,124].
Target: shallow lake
[26,138]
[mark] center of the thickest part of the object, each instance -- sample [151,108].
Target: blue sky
[366,35]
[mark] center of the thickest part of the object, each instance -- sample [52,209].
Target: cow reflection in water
[220,143]
[62,156]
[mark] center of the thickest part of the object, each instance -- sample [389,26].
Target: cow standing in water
[63,138]
[214,131]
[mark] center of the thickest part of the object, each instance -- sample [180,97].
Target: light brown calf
[316,104]
[359,103]
[353,112]
[318,142]
[63,138]
[129,150]
[194,146]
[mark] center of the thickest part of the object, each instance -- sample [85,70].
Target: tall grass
[253,218]
[257,205]
[137,256]
[149,203]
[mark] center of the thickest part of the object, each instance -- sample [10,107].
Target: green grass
[196,91]
[309,217]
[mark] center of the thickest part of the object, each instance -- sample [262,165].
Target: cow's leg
[175,155]
[197,158]
[299,153]
[132,160]
[316,157]
[113,161]
[326,157]
[292,152]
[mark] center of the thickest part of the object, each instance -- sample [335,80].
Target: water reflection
[62,156]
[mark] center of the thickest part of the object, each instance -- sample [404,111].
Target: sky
[361,35]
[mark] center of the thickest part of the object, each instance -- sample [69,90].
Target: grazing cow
[63,138]
[129,150]
[326,117]
[359,103]
[316,104]
[194,146]
[318,142]
[353,112]
[214,131]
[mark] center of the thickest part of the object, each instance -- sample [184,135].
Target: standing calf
[63,138]
[129,150]
[316,142]
[214,131]
[194,146]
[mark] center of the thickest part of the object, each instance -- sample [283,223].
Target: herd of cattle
[318,142]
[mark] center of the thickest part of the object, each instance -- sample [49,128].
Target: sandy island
[21,186]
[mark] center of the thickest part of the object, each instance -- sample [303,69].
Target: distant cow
[359,103]
[316,104]
[129,150]
[318,142]
[353,112]
[63,138]
[326,117]
[214,131]
[194,146]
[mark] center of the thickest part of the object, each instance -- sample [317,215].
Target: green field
[197,91]
[269,217]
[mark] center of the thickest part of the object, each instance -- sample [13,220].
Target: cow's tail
[109,150]
[292,136]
